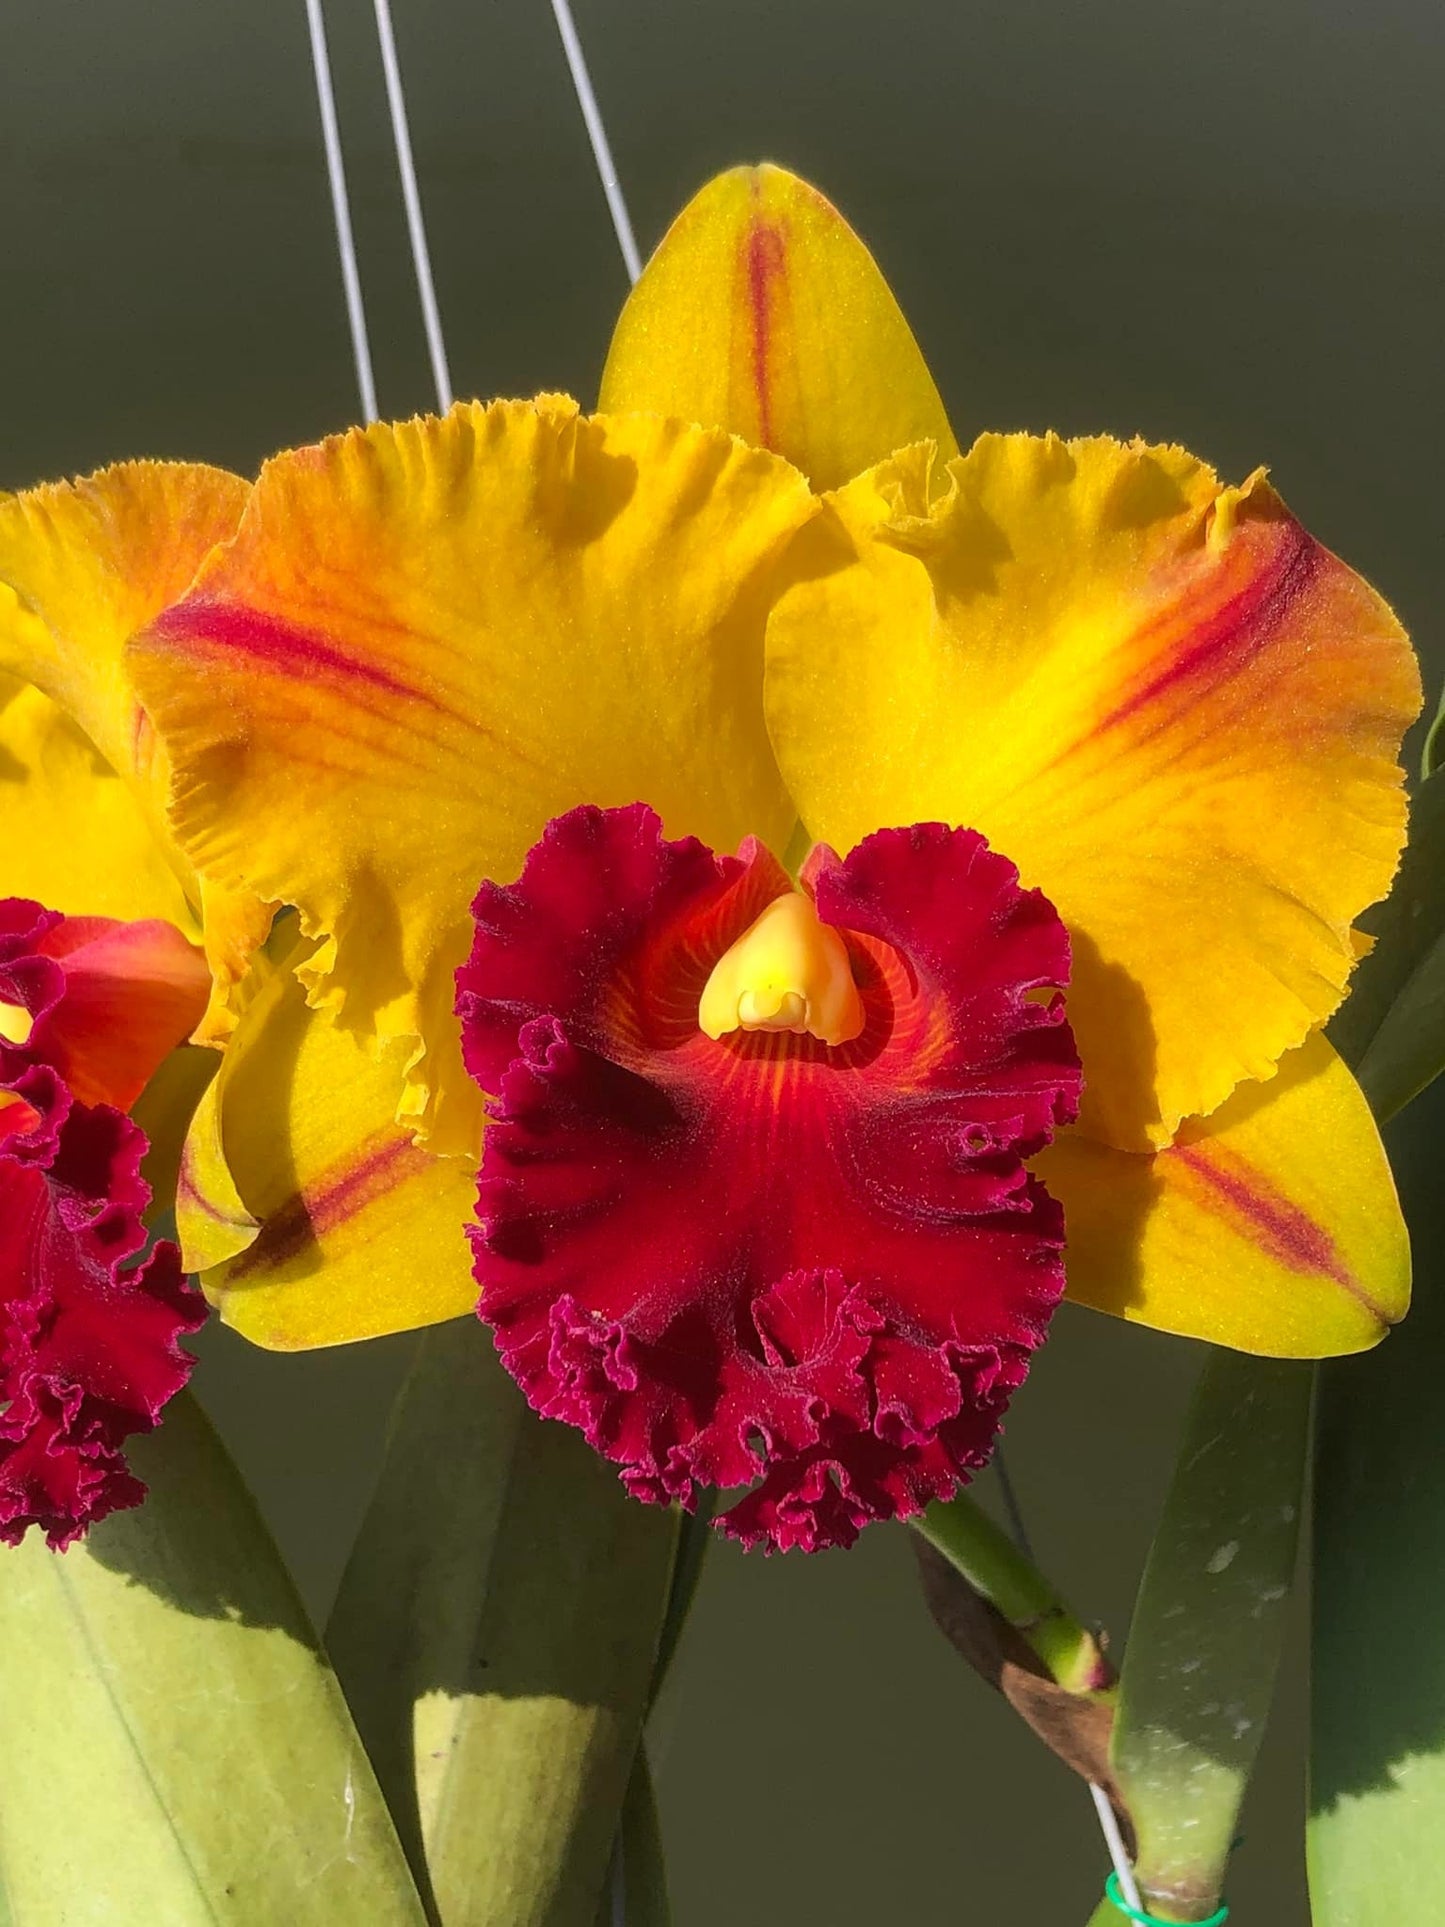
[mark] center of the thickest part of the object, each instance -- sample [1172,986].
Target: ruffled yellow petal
[763,313]
[428,639]
[1173,709]
[235,925]
[1272,1227]
[84,565]
[72,835]
[311,1216]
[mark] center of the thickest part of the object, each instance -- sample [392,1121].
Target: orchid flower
[761,1166]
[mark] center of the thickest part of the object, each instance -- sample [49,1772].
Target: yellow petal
[72,835]
[763,313]
[312,1217]
[212,1221]
[1175,711]
[84,565]
[428,639]
[1272,1227]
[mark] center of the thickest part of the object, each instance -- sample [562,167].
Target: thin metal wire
[1018,1530]
[597,134]
[415,225]
[1118,1853]
[341,211]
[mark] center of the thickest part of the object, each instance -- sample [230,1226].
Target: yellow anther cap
[15,1024]
[788,971]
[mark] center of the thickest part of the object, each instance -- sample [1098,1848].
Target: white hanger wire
[411,195]
[1118,1852]
[597,134]
[341,211]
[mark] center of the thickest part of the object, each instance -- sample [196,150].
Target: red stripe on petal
[766,258]
[815,1272]
[1278,561]
[1280,1229]
[380,1162]
[203,622]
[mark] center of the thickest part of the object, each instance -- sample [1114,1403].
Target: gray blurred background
[1215,225]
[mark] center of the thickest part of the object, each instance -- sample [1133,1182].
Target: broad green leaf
[496,1631]
[1392,1027]
[1205,1639]
[1377,1784]
[176,1748]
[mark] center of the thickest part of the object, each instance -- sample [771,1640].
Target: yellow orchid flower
[762,1194]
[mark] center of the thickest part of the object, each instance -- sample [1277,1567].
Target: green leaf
[1377,1781]
[694,1536]
[496,1631]
[636,1891]
[1392,1027]
[1205,1639]
[1376,1846]
[176,1748]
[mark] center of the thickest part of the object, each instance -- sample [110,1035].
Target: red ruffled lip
[89,1338]
[817,1273]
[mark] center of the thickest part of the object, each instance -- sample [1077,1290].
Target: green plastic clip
[1116,1899]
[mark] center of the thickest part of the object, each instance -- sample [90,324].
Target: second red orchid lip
[760,1261]
[89,1338]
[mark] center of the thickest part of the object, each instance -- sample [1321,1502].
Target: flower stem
[995,1567]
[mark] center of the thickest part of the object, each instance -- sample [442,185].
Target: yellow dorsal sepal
[787,971]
